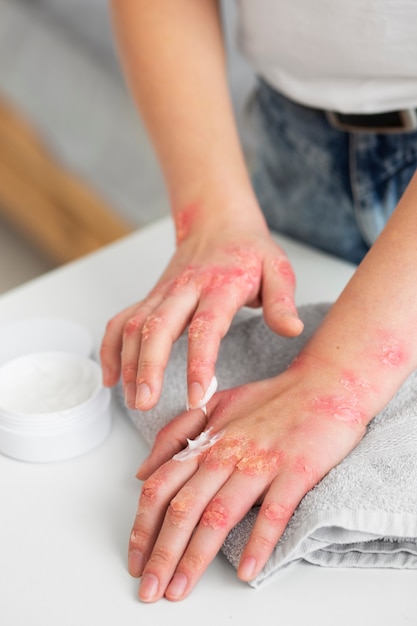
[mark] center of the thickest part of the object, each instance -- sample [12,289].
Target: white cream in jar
[47,382]
[52,406]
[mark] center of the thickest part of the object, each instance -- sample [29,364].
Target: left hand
[277,439]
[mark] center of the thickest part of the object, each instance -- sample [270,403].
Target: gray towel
[363,513]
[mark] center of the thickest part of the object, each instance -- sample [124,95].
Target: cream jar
[53,405]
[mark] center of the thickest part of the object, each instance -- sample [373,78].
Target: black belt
[392,122]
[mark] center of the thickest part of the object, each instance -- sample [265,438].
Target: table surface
[65,526]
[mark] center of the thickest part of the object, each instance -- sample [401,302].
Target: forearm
[371,331]
[174,60]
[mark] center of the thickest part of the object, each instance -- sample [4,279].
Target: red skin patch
[244,273]
[284,269]
[307,471]
[248,260]
[152,486]
[262,462]
[342,408]
[136,539]
[200,365]
[390,352]
[183,220]
[227,452]
[216,515]
[182,280]
[151,326]
[244,456]
[181,505]
[354,384]
[201,326]
[218,277]
[275,512]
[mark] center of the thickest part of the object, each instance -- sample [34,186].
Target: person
[335,112]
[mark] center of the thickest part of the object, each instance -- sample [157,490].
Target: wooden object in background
[58,212]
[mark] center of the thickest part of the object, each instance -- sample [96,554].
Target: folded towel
[363,513]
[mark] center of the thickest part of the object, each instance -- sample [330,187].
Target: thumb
[171,439]
[278,288]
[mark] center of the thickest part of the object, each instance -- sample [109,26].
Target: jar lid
[53,405]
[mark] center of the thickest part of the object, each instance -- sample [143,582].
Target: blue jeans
[328,188]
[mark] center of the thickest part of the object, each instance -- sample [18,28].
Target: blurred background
[76,168]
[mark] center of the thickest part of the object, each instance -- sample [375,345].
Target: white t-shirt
[352,56]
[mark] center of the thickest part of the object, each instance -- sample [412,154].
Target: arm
[279,437]
[173,57]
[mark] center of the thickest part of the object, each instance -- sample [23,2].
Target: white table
[64,527]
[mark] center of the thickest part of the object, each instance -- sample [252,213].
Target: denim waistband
[330,188]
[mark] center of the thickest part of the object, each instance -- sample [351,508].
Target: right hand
[216,270]
[271,442]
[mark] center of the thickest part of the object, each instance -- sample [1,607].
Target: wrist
[345,390]
[217,213]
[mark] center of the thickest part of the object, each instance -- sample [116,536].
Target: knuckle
[284,269]
[129,373]
[180,511]
[178,514]
[197,364]
[266,544]
[147,368]
[151,490]
[216,515]
[307,471]
[182,280]
[132,326]
[151,326]
[163,434]
[106,349]
[194,562]
[139,538]
[161,557]
[201,326]
[276,513]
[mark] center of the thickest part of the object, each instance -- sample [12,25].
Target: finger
[131,345]
[278,290]
[279,504]
[171,439]
[111,346]
[228,506]
[157,491]
[160,330]
[210,323]
[182,517]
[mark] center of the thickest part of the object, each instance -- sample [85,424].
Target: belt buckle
[406,121]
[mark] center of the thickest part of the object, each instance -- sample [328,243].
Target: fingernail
[295,321]
[177,586]
[148,587]
[143,395]
[130,394]
[196,396]
[135,563]
[247,568]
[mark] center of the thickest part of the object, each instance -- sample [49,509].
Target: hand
[272,442]
[214,272]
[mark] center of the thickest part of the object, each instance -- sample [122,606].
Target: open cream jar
[52,403]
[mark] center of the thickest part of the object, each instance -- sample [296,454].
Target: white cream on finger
[211,390]
[195,447]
